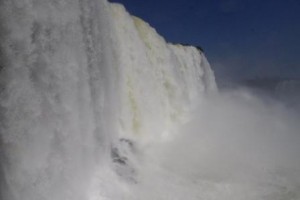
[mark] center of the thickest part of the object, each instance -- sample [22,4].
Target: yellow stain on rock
[136,123]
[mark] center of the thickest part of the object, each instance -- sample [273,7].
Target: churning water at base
[236,146]
[95,105]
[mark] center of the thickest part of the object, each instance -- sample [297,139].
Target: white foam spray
[96,105]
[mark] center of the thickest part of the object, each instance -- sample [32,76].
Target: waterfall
[96,105]
[82,84]
[159,82]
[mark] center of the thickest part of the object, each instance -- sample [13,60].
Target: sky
[243,39]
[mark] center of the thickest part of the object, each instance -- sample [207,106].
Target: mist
[237,146]
[96,105]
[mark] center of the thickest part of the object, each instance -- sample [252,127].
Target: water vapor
[238,146]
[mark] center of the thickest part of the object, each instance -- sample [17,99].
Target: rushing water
[96,105]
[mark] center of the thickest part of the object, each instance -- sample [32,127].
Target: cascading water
[158,82]
[93,102]
[77,78]
[56,88]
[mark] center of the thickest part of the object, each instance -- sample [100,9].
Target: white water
[96,105]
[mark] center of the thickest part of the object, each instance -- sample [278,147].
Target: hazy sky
[241,38]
